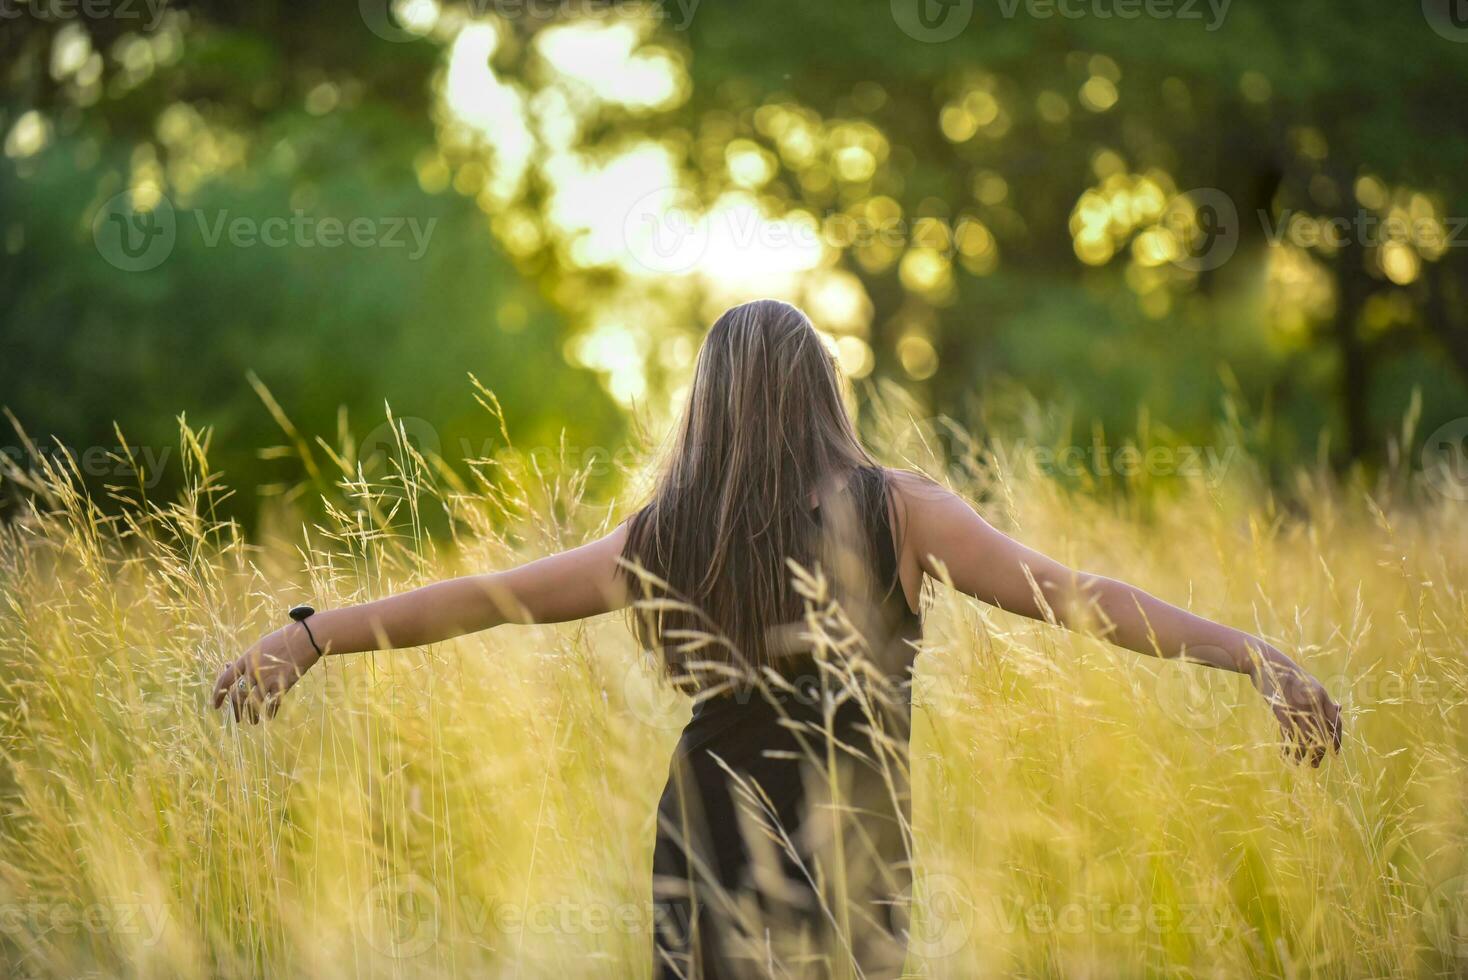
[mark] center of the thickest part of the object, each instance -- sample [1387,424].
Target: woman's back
[786,817]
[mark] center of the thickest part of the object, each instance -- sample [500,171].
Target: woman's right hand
[259,678]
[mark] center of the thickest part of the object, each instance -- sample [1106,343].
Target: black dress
[784,832]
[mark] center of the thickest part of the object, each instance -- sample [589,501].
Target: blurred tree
[1305,117]
[1103,206]
[276,119]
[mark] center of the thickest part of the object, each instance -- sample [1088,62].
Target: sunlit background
[1089,223]
[1224,236]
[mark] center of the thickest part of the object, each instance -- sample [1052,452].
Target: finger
[222,683]
[259,697]
[240,695]
[1330,735]
[1290,742]
[1319,732]
[282,680]
[1310,726]
[236,697]
[1290,733]
[270,703]
[250,703]
[273,691]
[1300,731]
[1325,729]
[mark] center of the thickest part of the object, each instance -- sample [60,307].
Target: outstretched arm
[575,584]
[947,539]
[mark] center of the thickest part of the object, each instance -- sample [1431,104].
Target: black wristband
[300,614]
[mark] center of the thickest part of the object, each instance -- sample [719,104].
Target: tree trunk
[1352,288]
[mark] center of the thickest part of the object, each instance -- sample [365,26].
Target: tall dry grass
[486,806]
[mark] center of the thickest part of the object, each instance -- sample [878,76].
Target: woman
[777,571]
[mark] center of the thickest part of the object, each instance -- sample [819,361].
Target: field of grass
[485,807]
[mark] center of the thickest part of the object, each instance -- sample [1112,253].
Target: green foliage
[1283,108]
[327,330]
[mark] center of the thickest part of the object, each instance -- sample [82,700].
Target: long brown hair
[764,436]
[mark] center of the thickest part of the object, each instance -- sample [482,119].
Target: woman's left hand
[259,678]
[1309,719]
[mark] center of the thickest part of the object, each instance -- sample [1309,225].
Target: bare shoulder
[918,501]
[910,481]
[929,513]
[914,490]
